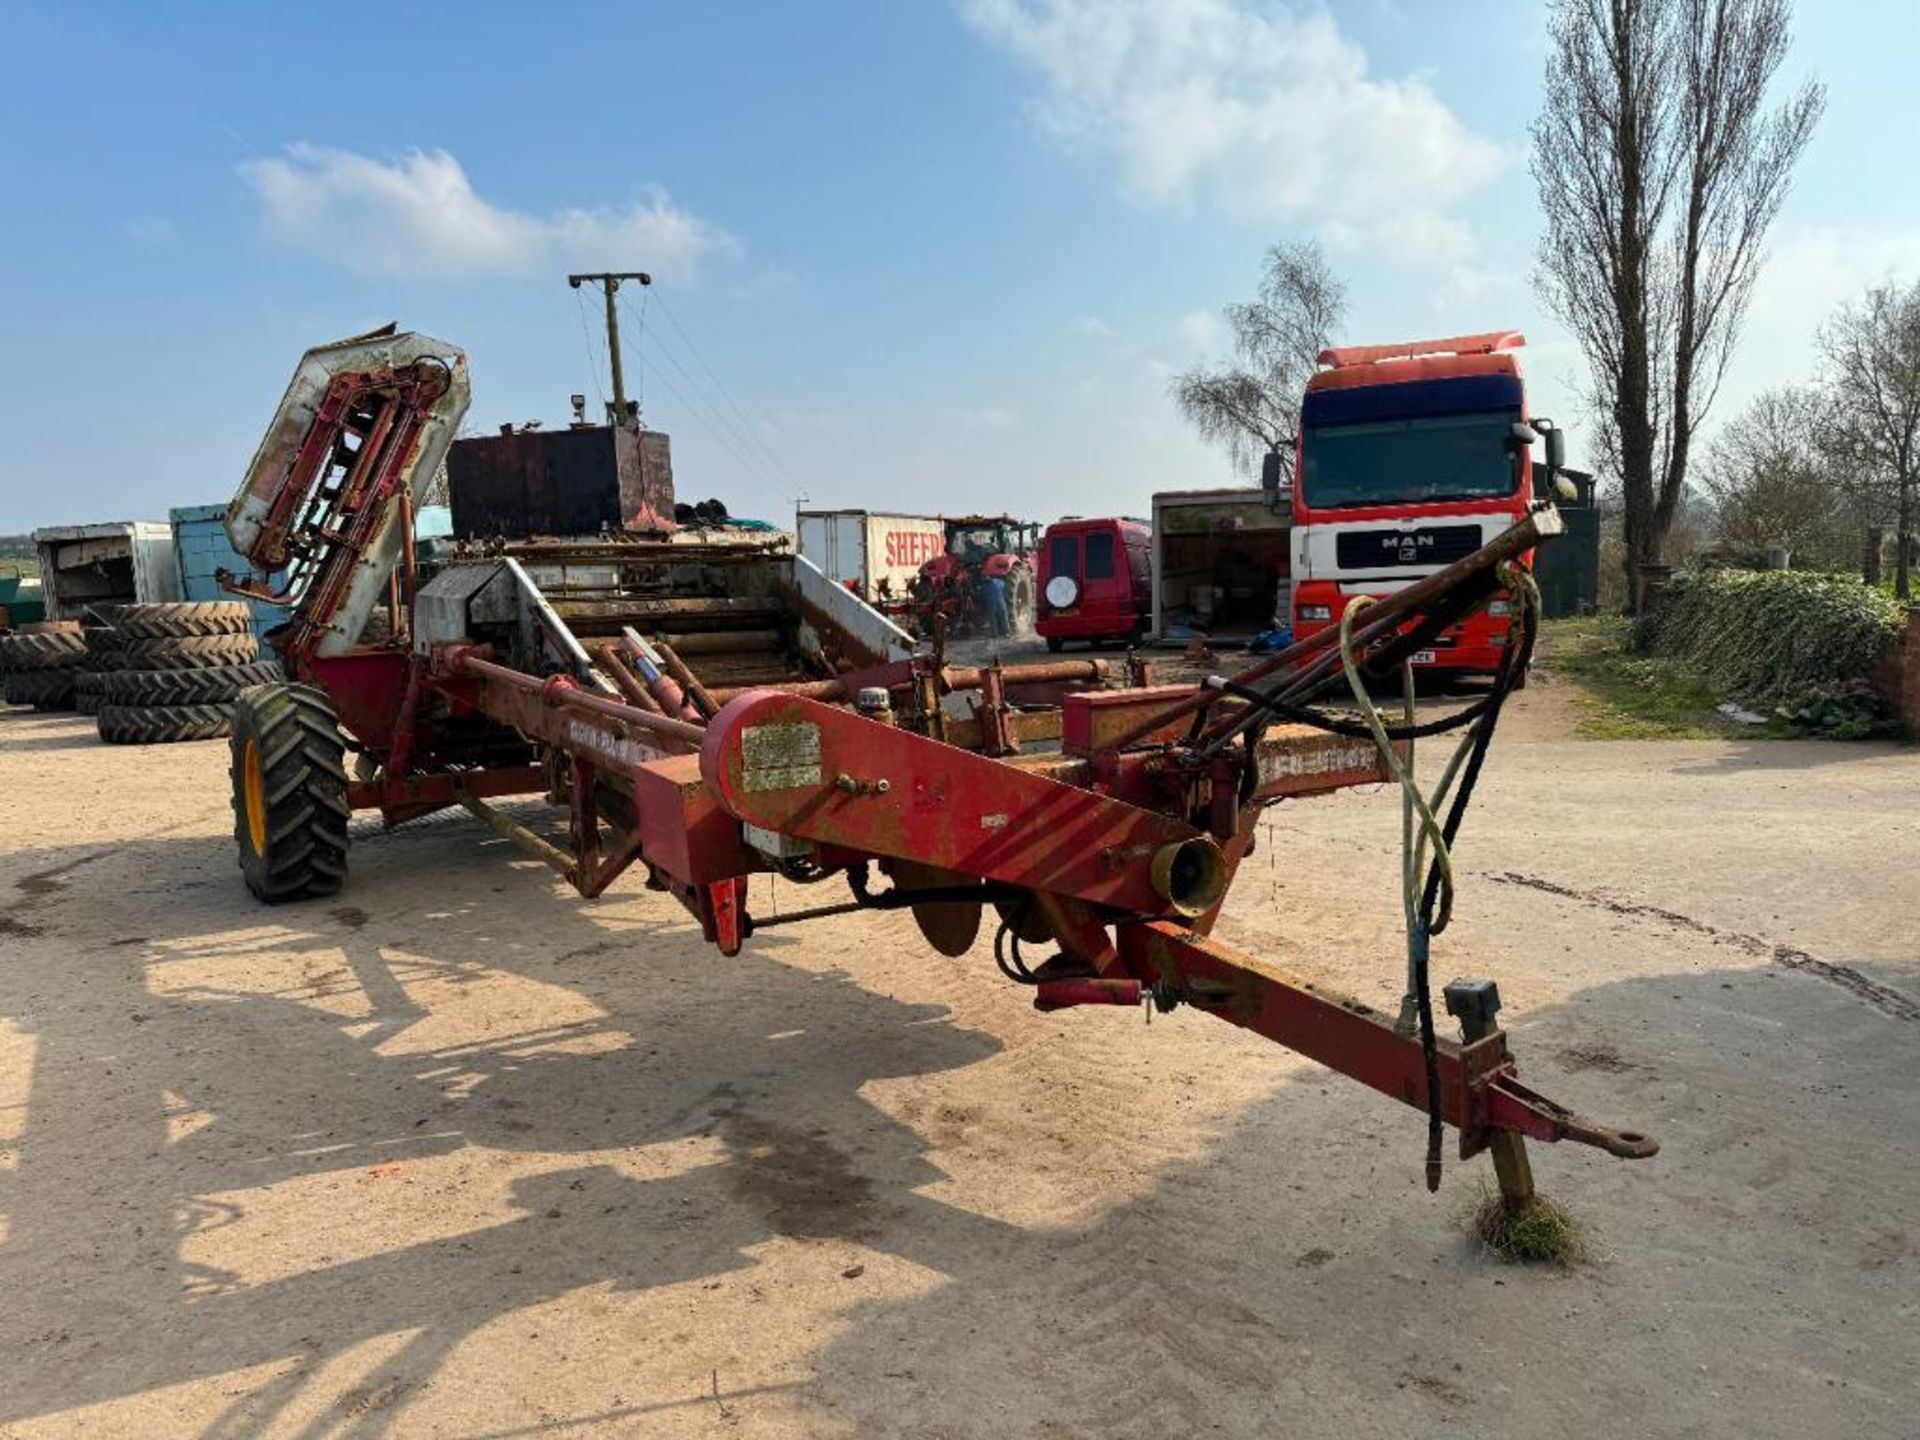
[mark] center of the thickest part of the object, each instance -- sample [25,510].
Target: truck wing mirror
[1270,478]
[1556,450]
[1556,443]
[1520,436]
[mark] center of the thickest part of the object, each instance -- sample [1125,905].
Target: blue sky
[937,254]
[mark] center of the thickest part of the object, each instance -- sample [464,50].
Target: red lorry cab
[1096,581]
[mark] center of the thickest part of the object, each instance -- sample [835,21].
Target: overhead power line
[712,418]
[720,385]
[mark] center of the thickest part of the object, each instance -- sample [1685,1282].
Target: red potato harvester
[1093,813]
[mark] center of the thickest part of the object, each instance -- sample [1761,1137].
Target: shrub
[1771,636]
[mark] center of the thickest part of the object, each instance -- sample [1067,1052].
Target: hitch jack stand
[1474,1003]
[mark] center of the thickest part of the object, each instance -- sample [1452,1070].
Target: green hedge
[1771,636]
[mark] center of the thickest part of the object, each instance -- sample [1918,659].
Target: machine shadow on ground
[1200,1301]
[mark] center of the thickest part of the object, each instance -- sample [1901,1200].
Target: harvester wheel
[161,724]
[186,652]
[289,792]
[217,684]
[188,617]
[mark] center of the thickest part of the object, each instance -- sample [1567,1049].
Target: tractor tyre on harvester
[289,792]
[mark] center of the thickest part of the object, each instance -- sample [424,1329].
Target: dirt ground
[459,1154]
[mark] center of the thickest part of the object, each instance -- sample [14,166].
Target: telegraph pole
[609,282]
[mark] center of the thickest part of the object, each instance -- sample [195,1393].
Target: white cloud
[420,217]
[1810,271]
[1200,330]
[1266,113]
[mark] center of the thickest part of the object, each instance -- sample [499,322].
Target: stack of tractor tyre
[177,669]
[102,655]
[38,663]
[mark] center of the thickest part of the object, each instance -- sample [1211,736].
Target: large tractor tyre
[52,650]
[57,690]
[103,650]
[183,618]
[290,806]
[162,724]
[86,691]
[217,685]
[1020,602]
[186,652]
[42,689]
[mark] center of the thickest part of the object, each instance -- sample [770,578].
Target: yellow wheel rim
[255,787]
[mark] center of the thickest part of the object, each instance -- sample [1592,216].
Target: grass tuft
[1532,1232]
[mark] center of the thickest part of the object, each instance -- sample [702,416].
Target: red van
[1096,581]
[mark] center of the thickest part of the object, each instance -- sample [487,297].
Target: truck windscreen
[1409,462]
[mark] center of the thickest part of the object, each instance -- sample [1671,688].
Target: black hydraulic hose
[1358,730]
[1512,664]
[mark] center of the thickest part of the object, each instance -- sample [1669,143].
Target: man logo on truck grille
[1393,549]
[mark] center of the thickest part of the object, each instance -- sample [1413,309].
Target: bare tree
[1774,482]
[1660,167]
[1872,360]
[1253,405]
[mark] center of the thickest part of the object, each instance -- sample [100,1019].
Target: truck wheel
[185,652]
[177,618]
[161,724]
[1056,644]
[289,792]
[218,684]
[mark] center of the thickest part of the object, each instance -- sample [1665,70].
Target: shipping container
[119,562]
[867,547]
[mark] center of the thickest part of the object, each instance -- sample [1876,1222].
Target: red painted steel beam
[828,775]
[1479,1089]
[445,787]
[540,707]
